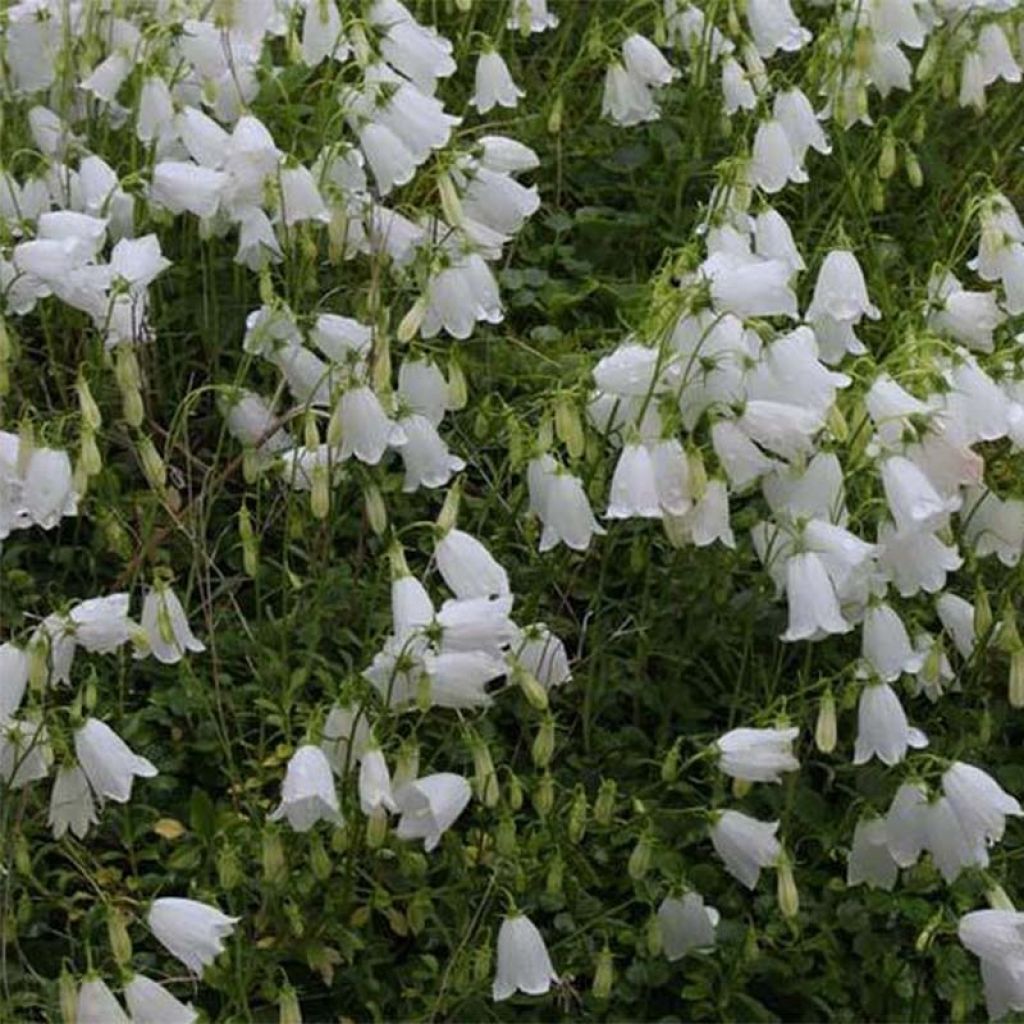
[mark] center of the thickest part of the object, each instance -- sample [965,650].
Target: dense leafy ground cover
[640,301]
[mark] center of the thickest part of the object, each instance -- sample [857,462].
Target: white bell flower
[957,617]
[870,859]
[532,16]
[745,845]
[634,490]
[193,932]
[108,762]
[322,35]
[179,187]
[773,240]
[996,937]
[774,162]
[47,491]
[427,460]
[308,794]
[627,101]
[757,755]
[950,847]
[494,86]
[366,430]
[97,1005]
[430,806]
[914,560]
[559,501]
[346,737]
[458,679]
[150,1003]
[101,624]
[882,727]
[840,291]
[391,161]
[686,924]
[741,459]
[980,804]
[915,504]
[813,606]
[476,624]
[886,645]
[774,26]
[25,754]
[468,568]
[166,626]
[71,803]
[543,655]
[737,92]
[14,672]
[645,62]
[374,783]
[793,110]
[523,961]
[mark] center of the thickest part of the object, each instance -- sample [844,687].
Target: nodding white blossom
[627,99]
[193,932]
[886,645]
[813,605]
[774,26]
[543,655]
[71,803]
[882,727]
[374,783]
[108,762]
[757,755]
[430,806]
[14,673]
[774,162]
[686,924]
[468,568]
[150,1003]
[25,754]
[645,62]
[308,794]
[957,617]
[745,845]
[996,937]
[96,1004]
[322,33]
[346,737]
[980,804]
[737,90]
[532,16]
[870,859]
[524,964]
[559,501]
[970,317]
[166,627]
[494,85]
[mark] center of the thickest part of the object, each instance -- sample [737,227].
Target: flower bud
[458,392]
[152,465]
[555,115]
[275,867]
[604,974]
[604,805]
[117,936]
[485,779]
[505,836]
[825,727]
[451,205]
[250,548]
[416,912]
[577,815]
[741,787]
[229,870]
[319,859]
[376,828]
[410,324]
[670,764]
[568,426]
[376,511]
[1008,637]
[89,454]
[982,613]
[320,493]
[914,173]
[544,742]
[448,517]
[1016,688]
[788,896]
[515,792]
[531,687]
[544,794]
[87,405]
[998,899]
[652,935]
[697,473]
[887,157]
[640,859]
[68,996]
[288,1010]
[555,876]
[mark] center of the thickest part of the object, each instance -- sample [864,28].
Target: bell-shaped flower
[915,560]
[47,490]
[322,35]
[529,16]
[423,388]
[494,85]
[193,932]
[390,160]
[523,961]
[458,679]
[14,672]
[882,727]
[969,317]
[430,806]
[980,804]
[774,162]
[97,1004]
[784,429]
[793,110]
[840,291]
[870,859]
[745,845]
[346,737]
[150,1003]
[71,803]
[645,62]
[757,755]
[181,187]
[752,287]
[155,115]
[543,655]
[559,501]
[957,617]
[468,568]
[686,924]
[25,754]
[108,762]
[476,624]
[634,489]
[741,459]
[427,460]
[627,101]
[951,848]
[375,783]
[308,794]
[366,430]
[773,240]
[774,26]
[813,606]
[737,91]
[996,937]
[886,646]
[300,197]
[906,825]
[913,501]
[166,626]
